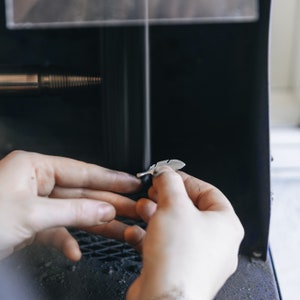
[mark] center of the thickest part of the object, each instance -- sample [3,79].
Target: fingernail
[106,213]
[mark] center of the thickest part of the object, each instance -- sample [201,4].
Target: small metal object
[23,80]
[62,81]
[175,164]
[257,254]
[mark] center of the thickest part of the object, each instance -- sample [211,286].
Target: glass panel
[203,10]
[57,13]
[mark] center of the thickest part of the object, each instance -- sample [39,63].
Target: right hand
[192,240]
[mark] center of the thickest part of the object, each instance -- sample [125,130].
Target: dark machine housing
[196,91]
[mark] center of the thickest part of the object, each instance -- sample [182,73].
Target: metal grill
[104,249]
[97,247]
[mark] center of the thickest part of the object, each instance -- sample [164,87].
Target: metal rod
[38,81]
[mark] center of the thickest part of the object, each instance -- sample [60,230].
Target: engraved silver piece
[175,164]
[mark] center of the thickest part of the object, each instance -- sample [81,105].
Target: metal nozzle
[37,81]
[61,81]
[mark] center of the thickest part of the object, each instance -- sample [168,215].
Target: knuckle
[82,193]
[78,209]
[32,218]
[82,214]
[17,154]
[239,230]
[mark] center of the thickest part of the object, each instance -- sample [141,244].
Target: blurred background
[285,144]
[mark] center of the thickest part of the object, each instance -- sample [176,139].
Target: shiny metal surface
[175,164]
[17,82]
[69,13]
[34,81]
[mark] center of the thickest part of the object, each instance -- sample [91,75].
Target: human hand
[40,195]
[192,239]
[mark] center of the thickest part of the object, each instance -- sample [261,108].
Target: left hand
[40,195]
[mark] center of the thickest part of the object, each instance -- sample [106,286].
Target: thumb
[169,187]
[49,213]
[62,240]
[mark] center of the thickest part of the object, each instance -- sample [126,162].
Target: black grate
[104,249]
[98,247]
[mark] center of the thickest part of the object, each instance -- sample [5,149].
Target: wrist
[172,285]
[173,294]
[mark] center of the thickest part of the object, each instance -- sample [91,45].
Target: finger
[72,173]
[145,209]
[48,213]
[204,195]
[51,170]
[62,240]
[152,194]
[169,187]
[134,236]
[114,230]
[124,206]
[43,172]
